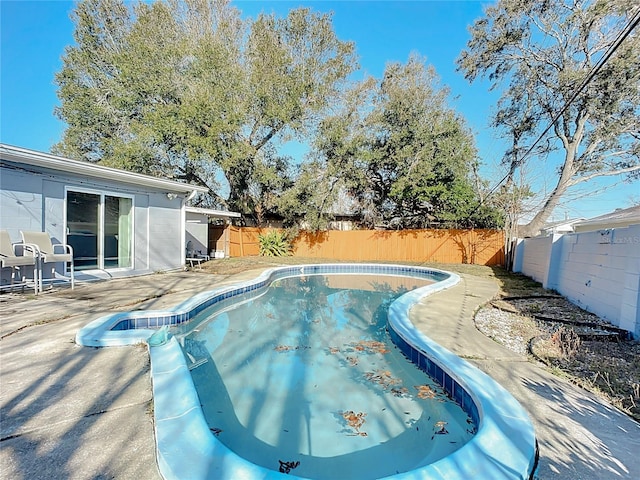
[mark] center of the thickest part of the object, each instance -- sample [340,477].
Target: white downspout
[183,234]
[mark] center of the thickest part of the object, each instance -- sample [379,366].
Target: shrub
[274,244]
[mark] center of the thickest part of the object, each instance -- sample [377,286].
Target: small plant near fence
[274,244]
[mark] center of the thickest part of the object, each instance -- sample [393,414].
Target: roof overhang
[53,162]
[213,213]
[622,217]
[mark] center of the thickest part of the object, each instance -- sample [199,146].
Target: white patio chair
[9,258]
[46,253]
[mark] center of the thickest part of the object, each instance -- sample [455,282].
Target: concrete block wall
[599,271]
[536,254]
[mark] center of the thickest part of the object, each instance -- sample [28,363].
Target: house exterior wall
[33,199]
[166,233]
[197,232]
[598,270]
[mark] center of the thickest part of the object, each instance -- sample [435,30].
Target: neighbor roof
[626,216]
[46,160]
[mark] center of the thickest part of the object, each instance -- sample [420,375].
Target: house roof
[213,213]
[46,160]
[561,226]
[569,222]
[627,216]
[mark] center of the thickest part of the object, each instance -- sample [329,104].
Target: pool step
[197,363]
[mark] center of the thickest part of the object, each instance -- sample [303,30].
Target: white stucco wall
[599,271]
[197,232]
[32,199]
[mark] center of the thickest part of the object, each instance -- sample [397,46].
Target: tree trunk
[533,228]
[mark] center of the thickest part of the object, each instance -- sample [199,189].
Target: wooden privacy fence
[480,247]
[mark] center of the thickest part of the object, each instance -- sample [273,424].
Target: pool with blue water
[311,382]
[302,377]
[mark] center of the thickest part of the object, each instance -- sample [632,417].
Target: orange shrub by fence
[480,247]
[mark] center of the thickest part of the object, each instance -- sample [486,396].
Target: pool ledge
[504,446]
[103,331]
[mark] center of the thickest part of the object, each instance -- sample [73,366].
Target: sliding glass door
[99,228]
[117,232]
[83,220]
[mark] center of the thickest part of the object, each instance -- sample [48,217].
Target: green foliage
[539,53]
[403,153]
[274,243]
[191,91]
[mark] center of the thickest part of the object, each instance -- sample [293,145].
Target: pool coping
[504,445]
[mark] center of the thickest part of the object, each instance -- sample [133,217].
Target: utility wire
[633,23]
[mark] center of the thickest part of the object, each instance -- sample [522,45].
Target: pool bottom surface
[307,381]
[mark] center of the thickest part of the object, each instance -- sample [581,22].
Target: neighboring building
[119,223]
[208,232]
[619,218]
[560,227]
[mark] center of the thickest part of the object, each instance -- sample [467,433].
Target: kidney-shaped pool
[316,372]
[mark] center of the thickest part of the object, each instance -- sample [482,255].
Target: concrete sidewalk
[85,413]
[71,412]
[580,437]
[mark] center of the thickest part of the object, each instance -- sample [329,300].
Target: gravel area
[571,342]
[503,328]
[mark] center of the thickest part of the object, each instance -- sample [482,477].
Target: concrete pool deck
[78,412]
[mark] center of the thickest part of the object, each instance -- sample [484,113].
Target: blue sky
[34,35]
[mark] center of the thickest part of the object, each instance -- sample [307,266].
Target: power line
[633,22]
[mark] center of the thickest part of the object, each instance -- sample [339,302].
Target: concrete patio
[86,413]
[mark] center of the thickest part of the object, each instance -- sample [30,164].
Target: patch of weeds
[150,408]
[534,308]
[610,370]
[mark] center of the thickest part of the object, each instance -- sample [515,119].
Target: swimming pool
[302,376]
[503,446]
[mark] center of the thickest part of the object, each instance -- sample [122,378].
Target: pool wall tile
[512,446]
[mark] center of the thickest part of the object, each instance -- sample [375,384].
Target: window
[99,228]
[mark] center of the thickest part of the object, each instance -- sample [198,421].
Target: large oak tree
[404,155]
[189,90]
[538,53]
